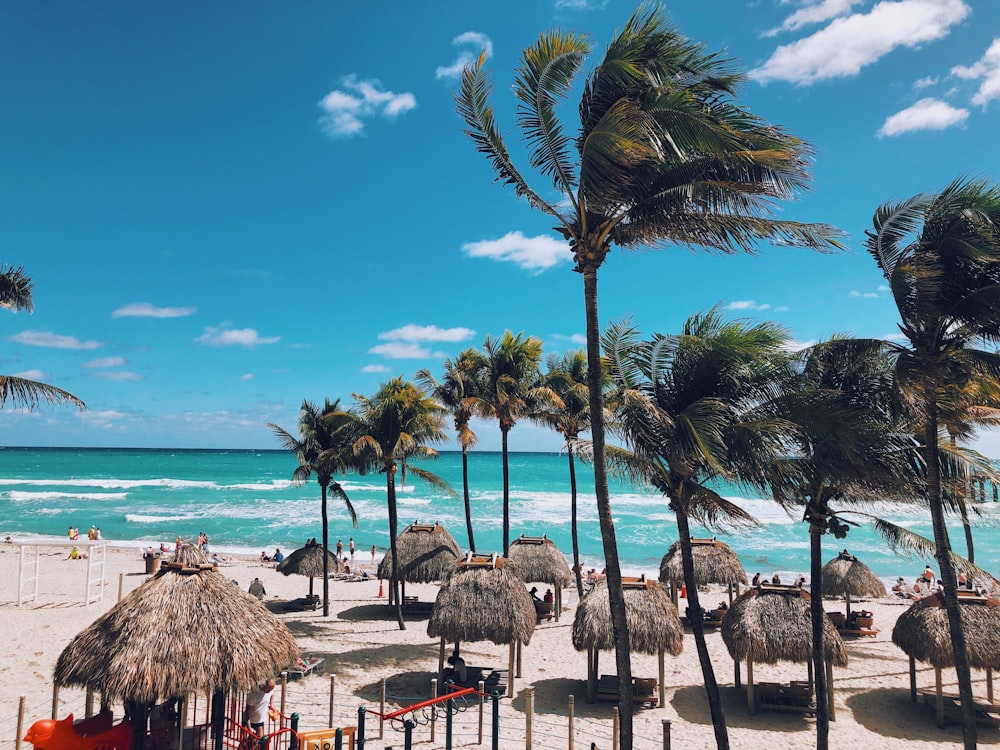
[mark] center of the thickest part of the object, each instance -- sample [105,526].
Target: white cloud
[924,82]
[146,310]
[474,39]
[374,368]
[988,68]
[402,350]
[926,114]
[105,362]
[747,304]
[246,337]
[247,376]
[345,111]
[53,340]
[413,332]
[573,338]
[817,12]
[848,44]
[102,419]
[32,375]
[865,295]
[582,4]
[532,253]
[118,376]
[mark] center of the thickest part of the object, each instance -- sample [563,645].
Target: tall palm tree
[689,409]
[461,383]
[323,448]
[509,391]
[663,155]
[16,295]
[940,254]
[566,377]
[850,447]
[399,423]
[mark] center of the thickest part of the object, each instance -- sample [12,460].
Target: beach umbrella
[427,553]
[846,576]
[653,626]
[539,561]
[923,633]
[188,629]
[769,624]
[714,562]
[308,561]
[483,599]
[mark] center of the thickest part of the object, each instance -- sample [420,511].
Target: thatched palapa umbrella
[308,561]
[923,633]
[653,626]
[483,599]
[714,562]
[846,576]
[427,553]
[540,561]
[188,629]
[770,624]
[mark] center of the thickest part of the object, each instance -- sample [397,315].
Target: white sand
[362,646]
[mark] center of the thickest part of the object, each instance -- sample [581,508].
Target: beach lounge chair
[543,611]
[305,666]
[643,689]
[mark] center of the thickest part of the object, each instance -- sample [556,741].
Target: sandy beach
[362,645]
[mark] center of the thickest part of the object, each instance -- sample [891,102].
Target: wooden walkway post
[571,709]
[20,723]
[333,690]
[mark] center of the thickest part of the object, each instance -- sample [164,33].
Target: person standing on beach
[350,547]
[340,548]
[373,554]
[259,707]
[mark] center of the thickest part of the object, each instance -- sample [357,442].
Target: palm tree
[850,446]
[509,391]
[663,155]
[689,409]
[399,423]
[323,448]
[461,382]
[940,254]
[15,294]
[566,377]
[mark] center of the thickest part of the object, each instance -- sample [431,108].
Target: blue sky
[228,207]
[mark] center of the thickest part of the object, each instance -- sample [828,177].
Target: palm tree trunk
[572,523]
[326,553]
[506,492]
[817,617]
[468,504]
[390,491]
[696,618]
[962,499]
[616,596]
[947,570]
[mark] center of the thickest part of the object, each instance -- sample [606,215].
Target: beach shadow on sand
[890,713]
[380,611]
[691,704]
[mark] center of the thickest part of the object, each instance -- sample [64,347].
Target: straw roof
[483,604]
[714,562]
[845,575]
[922,632]
[539,560]
[187,629]
[308,561]
[652,619]
[771,626]
[427,553]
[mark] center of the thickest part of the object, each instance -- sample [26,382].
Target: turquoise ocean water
[245,502]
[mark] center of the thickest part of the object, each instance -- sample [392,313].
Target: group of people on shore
[927,584]
[93,533]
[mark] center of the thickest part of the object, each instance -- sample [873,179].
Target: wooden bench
[543,611]
[986,713]
[414,606]
[796,697]
[643,689]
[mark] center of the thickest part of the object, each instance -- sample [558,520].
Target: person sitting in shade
[756,580]
[257,588]
[534,595]
[776,579]
[459,673]
[899,588]
[548,598]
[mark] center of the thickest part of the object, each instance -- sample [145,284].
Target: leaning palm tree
[664,155]
[940,254]
[399,423]
[16,295]
[689,409]
[566,377]
[509,391]
[461,382]
[323,448]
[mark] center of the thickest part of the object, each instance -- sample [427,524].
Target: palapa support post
[55,701]
[939,703]
[751,698]
[529,711]
[666,734]
[218,719]
[88,704]
[518,650]
[989,684]
[121,583]
[615,724]
[333,691]
[913,679]
[284,692]
[663,690]
[482,691]
[570,710]
[736,673]
[829,690]
[183,723]
[510,672]
[495,697]
[441,659]
[434,694]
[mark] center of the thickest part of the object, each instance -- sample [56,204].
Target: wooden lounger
[643,690]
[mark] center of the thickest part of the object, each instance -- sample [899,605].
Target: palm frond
[26,394]
[901,539]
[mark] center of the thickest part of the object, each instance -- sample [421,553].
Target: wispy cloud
[53,340]
[104,420]
[581,4]
[988,69]
[413,332]
[476,42]
[119,376]
[403,350]
[346,109]
[574,338]
[32,375]
[748,304]
[246,337]
[879,291]
[105,362]
[146,310]
[848,44]
[375,368]
[814,12]
[923,83]
[926,114]
[247,376]
[532,253]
